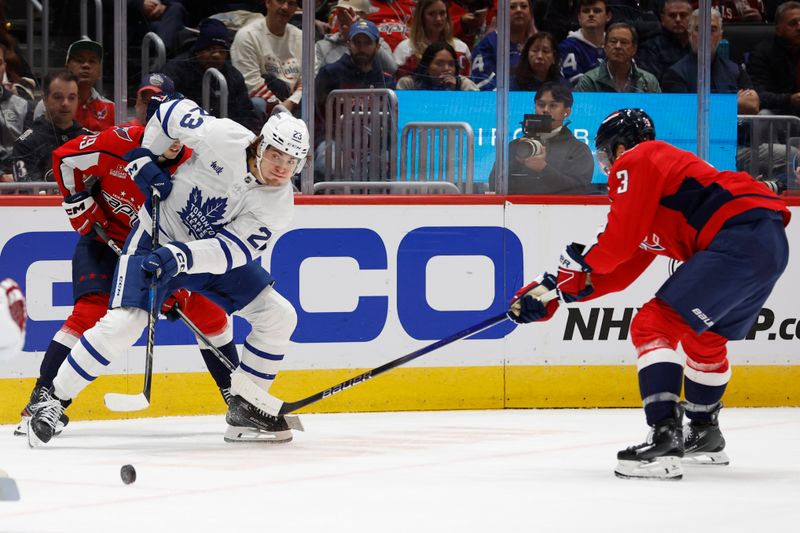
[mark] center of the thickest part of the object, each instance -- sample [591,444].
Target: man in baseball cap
[85,60]
[155,83]
[210,50]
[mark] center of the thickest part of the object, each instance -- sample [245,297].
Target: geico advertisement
[372,282]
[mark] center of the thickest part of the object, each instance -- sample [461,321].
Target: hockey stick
[136,402]
[289,407]
[98,229]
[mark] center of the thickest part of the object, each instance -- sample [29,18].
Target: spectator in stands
[618,73]
[18,77]
[773,65]
[85,60]
[268,52]
[430,23]
[484,57]
[210,50]
[438,69]
[16,115]
[393,19]
[563,164]
[32,154]
[661,52]
[470,19]
[332,47]
[540,63]
[726,77]
[582,50]
[738,10]
[359,69]
[165,18]
[153,84]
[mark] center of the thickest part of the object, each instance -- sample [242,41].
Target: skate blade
[33,440]
[248,434]
[707,459]
[663,468]
[293,421]
[8,489]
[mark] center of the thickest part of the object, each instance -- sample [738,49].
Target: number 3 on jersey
[190,120]
[622,176]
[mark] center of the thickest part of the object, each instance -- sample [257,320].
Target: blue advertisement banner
[675,117]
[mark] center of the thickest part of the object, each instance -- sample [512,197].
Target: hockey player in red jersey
[727,229]
[91,175]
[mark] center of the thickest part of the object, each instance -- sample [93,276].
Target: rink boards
[375,278]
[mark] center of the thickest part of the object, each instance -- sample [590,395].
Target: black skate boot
[247,423]
[45,416]
[703,442]
[659,457]
[22,427]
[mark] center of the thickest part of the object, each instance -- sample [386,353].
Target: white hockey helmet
[287,134]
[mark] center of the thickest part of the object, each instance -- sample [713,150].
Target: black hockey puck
[128,474]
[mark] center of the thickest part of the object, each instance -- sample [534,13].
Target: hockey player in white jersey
[218,212]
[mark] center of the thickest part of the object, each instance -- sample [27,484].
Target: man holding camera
[548,159]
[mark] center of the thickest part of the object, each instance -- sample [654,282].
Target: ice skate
[247,423]
[22,427]
[659,457]
[45,416]
[703,442]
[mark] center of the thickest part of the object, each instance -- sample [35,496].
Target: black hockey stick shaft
[289,407]
[155,205]
[98,229]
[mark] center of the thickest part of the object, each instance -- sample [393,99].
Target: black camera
[530,143]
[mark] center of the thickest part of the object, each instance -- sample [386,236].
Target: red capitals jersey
[100,156]
[669,202]
[96,114]
[393,19]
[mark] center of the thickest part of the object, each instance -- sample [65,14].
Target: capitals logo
[652,243]
[202,218]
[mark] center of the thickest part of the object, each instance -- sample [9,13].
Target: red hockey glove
[83,212]
[177,300]
[16,302]
[527,305]
[573,275]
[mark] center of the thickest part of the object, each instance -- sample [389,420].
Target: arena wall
[374,278]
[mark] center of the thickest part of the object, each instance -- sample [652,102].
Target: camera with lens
[530,144]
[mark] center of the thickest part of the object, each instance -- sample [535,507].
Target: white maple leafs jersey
[217,207]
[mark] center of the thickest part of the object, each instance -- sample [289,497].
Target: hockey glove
[144,170]
[168,261]
[83,212]
[177,300]
[573,275]
[15,301]
[526,305]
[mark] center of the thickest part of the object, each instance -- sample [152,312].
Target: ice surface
[449,471]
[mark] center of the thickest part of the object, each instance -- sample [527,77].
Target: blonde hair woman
[430,23]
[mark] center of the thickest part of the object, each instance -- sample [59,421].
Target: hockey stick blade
[289,407]
[8,488]
[126,403]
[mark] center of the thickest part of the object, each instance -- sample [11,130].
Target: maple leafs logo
[202,218]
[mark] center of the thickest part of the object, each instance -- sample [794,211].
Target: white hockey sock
[111,336]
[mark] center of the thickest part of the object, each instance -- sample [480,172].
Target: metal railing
[29,187]
[161,53]
[98,20]
[774,145]
[221,93]
[438,151]
[43,8]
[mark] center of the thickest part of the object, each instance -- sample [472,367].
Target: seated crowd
[557,47]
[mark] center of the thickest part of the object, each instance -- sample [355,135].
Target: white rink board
[454,283]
